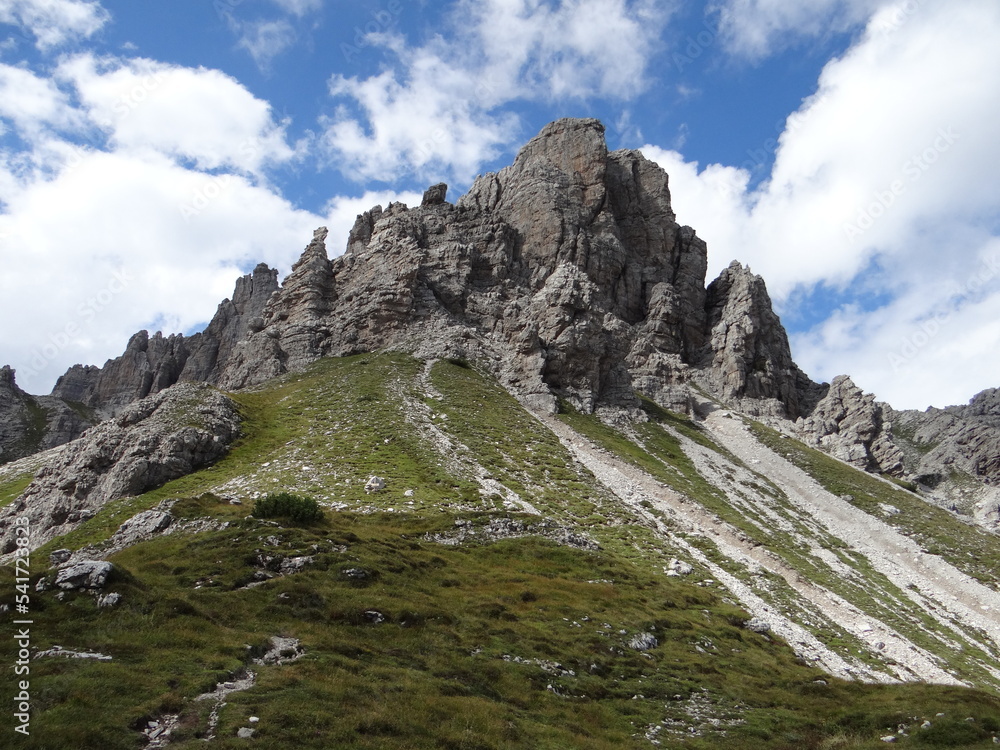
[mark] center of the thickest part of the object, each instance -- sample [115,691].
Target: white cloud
[758,28]
[883,179]
[265,40]
[431,123]
[935,345]
[54,22]
[198,115]
[34,104]
[178,236]
[436,111]
[299,7]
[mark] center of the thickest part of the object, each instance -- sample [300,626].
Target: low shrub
[286,505]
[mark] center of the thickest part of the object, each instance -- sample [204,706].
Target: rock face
[954,455]
[851,425]
[565,273]
[749,360]
[29,424]
[959,438]
[151,442]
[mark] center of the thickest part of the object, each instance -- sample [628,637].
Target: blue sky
[150,153]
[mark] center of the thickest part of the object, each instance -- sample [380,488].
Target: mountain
[570,496]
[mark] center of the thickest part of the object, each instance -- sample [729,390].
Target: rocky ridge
[29,424]
[160,438]
[953,455]
[565,274]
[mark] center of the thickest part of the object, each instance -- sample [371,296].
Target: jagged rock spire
[566,273]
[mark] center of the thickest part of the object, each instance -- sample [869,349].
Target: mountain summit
[567,276]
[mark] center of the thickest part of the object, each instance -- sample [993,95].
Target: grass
[12,487]
[512,644]
[464,658]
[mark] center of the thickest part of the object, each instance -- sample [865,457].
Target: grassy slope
[659,452]
[434,673]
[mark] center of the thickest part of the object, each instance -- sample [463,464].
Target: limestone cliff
[565,274]
[29,424]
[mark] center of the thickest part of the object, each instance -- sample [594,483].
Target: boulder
[757,625]
[643,642]
[374,484]
[88,574]
[142,526]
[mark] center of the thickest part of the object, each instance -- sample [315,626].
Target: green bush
[287,505]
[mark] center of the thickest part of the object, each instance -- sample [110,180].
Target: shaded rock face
[565,273]
[162,437]
[959,439]
[29,424]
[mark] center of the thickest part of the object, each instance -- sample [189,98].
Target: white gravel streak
[632,486]
[923,577]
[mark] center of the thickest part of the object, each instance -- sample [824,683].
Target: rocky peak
[308,292]
[985,404]
[565,273]
[849,424]
[551,195]
[557,270]
[748,356]
[435,195]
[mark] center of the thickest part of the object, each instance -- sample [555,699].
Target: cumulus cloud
[34,104]
[439,103]
[758,28]
[139,191]
[54,22]
[138,241]
[882,179]
[148,226]
[197,115]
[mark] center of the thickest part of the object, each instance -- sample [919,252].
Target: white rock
[374,484]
